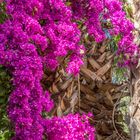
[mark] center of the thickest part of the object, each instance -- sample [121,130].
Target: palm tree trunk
[134,108]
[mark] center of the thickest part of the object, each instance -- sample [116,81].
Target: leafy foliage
[3,15]
[5,89]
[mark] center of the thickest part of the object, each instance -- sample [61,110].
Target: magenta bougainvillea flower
[74,127]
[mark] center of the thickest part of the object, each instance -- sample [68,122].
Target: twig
[113,120]
[79,93]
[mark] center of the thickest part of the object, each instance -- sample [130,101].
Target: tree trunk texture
[92,91]
[134,107]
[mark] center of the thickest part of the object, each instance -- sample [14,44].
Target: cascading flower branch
[28,99]
[123,27]
[37,33]
[106,19]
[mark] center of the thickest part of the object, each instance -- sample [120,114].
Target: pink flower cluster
[70,127]
[123,27]
[97,14]
[90,11]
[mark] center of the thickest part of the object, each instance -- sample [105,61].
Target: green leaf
[68,3]
[5,89]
